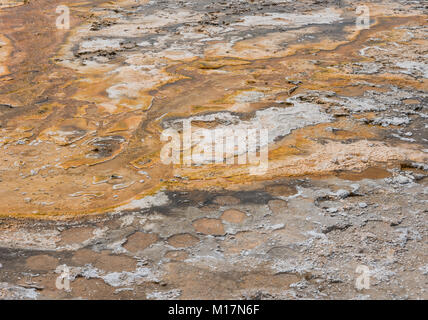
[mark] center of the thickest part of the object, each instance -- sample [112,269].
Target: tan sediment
[104,118]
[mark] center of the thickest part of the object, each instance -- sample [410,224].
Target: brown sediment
[95,127]
[183,240]
[73,235]
[140,241]
[104,260]
[42,262]
[233,216]
[81,113]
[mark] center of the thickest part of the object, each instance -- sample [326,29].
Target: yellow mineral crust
[82,120]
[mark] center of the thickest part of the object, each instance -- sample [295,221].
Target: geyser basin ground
[82,111]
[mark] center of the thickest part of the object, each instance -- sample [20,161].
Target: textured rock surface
[83,187]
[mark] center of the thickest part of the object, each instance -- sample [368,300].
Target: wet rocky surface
[292,239]
[83,187]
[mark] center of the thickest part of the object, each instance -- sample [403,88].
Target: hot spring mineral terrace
[83,187]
